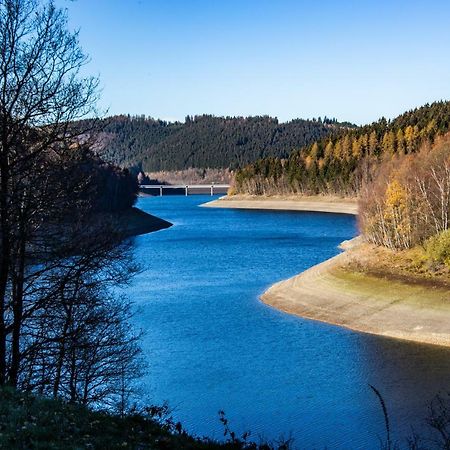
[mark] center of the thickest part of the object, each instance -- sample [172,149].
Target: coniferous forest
[341,163]
[206,141]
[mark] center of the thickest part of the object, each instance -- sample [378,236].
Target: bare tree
[408,200]
[41,92]
[62,330]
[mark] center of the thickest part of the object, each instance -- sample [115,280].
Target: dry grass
[371,290]
[410,266]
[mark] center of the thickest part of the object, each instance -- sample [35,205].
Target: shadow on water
[408,375]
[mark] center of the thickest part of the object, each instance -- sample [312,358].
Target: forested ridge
[205,141]
[338,164]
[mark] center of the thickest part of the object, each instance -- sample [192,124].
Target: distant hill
[339,163]
[205,141]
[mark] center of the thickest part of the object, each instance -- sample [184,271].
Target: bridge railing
[188,188]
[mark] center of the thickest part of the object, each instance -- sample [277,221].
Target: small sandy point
[364,303]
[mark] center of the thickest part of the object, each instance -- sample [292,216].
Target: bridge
[188,188]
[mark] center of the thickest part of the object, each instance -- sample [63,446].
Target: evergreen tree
[339,163]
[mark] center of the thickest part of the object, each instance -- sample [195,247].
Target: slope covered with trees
[205,141]
[339,164]
[408,200]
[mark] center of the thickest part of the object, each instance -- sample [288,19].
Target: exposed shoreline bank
[330,292]
[134,222]
[326,204]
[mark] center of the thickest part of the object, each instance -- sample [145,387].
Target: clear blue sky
[354,60]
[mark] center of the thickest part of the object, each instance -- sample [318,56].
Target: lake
[212,345]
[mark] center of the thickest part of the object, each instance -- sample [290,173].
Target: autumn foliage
[408,201]
[342,163]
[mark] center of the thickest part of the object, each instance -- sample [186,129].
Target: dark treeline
[112,189]
[338,164]
[205,141]
[63,333]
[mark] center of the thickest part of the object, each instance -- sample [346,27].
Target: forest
[407,202]
[206,142]
[341,163]
[398,169]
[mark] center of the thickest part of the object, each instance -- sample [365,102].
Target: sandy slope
[316,203]
[328,293]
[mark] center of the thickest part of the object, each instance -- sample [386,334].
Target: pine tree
[329,150]
[315,150]
[338,154]
[409,138]
[346,147]
[364,142]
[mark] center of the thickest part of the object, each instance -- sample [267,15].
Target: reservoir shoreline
[134,222]
[326,204]
[333,293]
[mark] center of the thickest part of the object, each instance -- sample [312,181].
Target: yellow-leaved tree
[397,216]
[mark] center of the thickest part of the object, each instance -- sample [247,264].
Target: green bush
[438,248]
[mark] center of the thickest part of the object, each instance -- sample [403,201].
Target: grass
[30,422]
[408,266]
[375,286]
[37,423]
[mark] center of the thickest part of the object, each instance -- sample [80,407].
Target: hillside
[204,141]
[339,164]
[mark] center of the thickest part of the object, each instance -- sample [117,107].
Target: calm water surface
[212,345]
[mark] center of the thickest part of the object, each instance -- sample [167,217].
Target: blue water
[212,345]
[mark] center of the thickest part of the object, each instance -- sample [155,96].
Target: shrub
[438,248]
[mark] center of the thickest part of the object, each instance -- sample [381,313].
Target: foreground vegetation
[30,422]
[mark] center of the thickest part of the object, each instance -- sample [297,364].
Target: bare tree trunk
[62,352]
[17,313]
[5,258]
[73,376]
